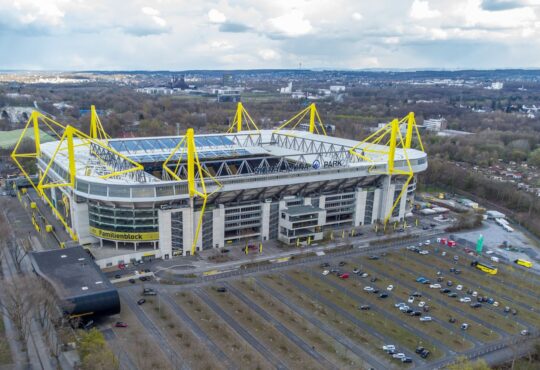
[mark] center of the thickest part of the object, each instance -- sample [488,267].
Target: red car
[451,243]
[344,276]
[120,324]
[121,266]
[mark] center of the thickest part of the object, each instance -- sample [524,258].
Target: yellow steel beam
[190,140]
[392,152]
[36,132]
[410,123]
[71,155]
[239,117]
[93,122]
[312,117]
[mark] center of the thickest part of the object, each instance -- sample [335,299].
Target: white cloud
[420,10]
[291,24]
[221,45]
[268,54]
[215,16]
[39,11]
[150,11]
[357,16]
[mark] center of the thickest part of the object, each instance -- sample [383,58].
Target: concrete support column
[165,232]
[265,220]
[376,205]
[360,207]
[387,199]
[196,216]
[218,227]
[188,229]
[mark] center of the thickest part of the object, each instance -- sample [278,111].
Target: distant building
[228,95]
[287,89]
[337,88]
[495,86]
[299,95]
[435,124]
[227,79]
[16,114]
[495,214]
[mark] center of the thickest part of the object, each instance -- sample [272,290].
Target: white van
[495,259]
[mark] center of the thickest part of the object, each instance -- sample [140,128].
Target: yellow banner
[124,236]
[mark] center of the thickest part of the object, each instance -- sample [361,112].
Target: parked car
[401,304]
[419,349]
[524,332]
[421,304]
[416,294]
[117,276]
[121,324]
[416,313]
[425,308]
[383,295]
[221,289]
[474,294]
[364,275]
[425,318]
[443,254]
[356,270]
[425,353]
[404,308]
[365,307]
[465,299]
[390,287]
[476,305]
[325,264]
[445,290]
[399,355]
[411,299]
[368,289]
[449,283]
[452,320]
[132,281]
[342,263]
[325,272]
[464,326]
[141,301]
[344,276]
[375,291]
[435,286]
[149,293]
[507,309]
[373,279]
[388,347]
[424,252]
[459,287]
[373,257]
[406,360]
[457,272]
[452,295]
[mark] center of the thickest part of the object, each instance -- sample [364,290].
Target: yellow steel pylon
[315,122]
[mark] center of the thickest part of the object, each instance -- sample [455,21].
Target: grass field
[8,139]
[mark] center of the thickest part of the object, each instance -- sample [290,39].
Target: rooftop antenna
[177,128]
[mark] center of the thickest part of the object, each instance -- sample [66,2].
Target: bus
[484,267]
[525,263]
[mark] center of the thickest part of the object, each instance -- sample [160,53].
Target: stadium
[155,197]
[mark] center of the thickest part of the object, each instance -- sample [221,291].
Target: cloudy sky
[234,34]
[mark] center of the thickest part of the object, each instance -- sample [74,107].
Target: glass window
[143,192]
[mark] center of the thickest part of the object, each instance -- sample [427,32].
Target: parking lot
[337,314]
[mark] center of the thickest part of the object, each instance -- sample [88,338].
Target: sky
[253,34]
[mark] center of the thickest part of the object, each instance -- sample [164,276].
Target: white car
[411,247]
[421,304]
[426,318]
[428,242]
[465,299]
[364,275]
[325,272]
[435,286]
[475,293]
[400,304]
[410,300]
[398,355]
[368,289]
[489,251]
[443,253]
[424,252]
[390,287]
[496,304]
[459,287]
[404,308]
[389,347]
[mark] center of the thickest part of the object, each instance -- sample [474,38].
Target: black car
[440,279]
[416,294]
[514,311]
[452,320]
[365,307]
[425,353]
[117,276]
[445,290]
[425,308]
[373,279]
[383,295]
[225,250]
[373,257]
[375,291]
[425,227]
[221,289]
[449,283]
[132,281]
[143,278]
[409,311]
[476,305]
[406,360]
[457,272]
[419,350]
[141,301]
[342,263]
[452,269]
[416,313]
[469,291]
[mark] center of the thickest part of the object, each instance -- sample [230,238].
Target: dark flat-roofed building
[77,281]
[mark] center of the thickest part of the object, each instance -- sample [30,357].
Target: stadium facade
[156,197]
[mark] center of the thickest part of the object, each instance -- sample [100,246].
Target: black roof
[71,271]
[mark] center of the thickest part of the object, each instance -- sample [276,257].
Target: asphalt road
[435,298]
[123,357]
[130,299]
[281,328]
[196,330]
[328,330]
[343,313]
[274,360]
[471,284]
